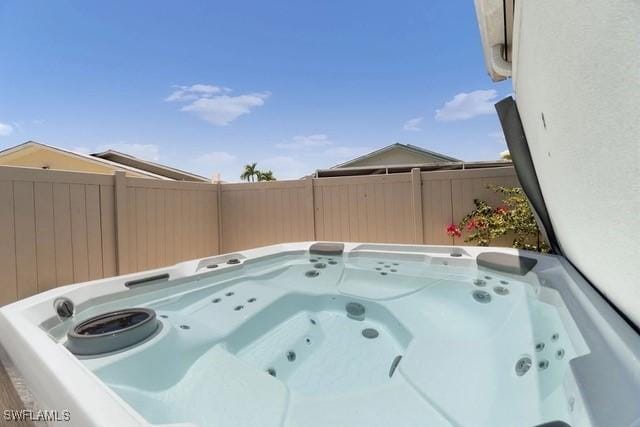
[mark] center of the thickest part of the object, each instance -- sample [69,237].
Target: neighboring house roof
[30,154]
[424,167]
[15,152]
[145,165]
[419,154]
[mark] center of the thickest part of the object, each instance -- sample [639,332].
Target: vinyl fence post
[122,254]
[311,206]
[416,193]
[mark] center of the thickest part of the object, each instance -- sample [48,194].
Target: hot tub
[348,335]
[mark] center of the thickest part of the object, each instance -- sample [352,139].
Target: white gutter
[499,65]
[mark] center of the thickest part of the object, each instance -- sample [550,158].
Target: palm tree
[250,172]
[505,155]
[265,176]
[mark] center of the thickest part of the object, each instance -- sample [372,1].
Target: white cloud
[464,106]
[83,150]
[218,165]
[190,93]
[222,110]
[342,153]
[310,141]
[5,129]
[413,124]
[286,167]
[308,153]
[214,105]
[216,158]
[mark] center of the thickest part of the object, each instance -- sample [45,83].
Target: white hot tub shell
[425,309]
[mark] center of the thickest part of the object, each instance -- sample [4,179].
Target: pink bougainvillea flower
[472,224]
[501,210]
[453,230]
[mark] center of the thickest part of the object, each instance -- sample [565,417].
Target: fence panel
[364,209]
[437,208]
[52,230]
[265,213]
[165,222]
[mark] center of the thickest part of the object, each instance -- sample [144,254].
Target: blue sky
[209,86]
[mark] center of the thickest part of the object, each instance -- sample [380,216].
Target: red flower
[472,224]
[501,210]
[453,231]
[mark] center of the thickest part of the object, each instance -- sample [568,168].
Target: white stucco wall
[577,63]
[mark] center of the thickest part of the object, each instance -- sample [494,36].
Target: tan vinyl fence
[63,227]
[160,223]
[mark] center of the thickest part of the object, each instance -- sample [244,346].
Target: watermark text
[43,415]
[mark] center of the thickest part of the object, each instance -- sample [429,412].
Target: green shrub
[514,218]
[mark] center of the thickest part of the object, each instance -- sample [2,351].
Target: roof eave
[410,147]
[178,172]
[84,157]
